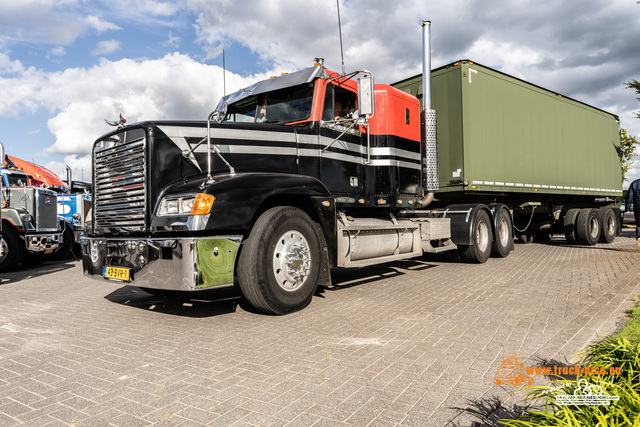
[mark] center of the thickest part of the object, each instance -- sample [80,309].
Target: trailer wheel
[480,250]
[504,235]
[608,222]
[12,249]
[588,227]
[279,263]
[570,225]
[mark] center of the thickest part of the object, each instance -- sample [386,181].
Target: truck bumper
[184,264]
[42,242]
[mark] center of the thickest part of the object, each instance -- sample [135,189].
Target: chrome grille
[120,186]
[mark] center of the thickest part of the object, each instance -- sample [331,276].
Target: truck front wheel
[279,263]
[12,249]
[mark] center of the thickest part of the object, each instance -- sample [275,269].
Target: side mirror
[219,113]
[366,101]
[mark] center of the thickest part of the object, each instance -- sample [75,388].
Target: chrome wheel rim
[482,236]
[611,226]
[594,227]
[503,232]
[291,260]
[5,250]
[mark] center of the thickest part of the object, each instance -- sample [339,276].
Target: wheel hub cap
[291,260]
[5,250]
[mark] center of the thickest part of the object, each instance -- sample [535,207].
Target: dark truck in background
[312,170]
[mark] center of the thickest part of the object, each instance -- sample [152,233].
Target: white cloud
[46,21]
[106,47]
[172,87]
[172,41]
[58,51]
[80,167]
[100,25]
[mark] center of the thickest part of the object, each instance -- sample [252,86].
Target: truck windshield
[16,180]
[285,105]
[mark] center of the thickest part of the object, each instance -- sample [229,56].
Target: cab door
[341,150]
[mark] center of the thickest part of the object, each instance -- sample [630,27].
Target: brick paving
[414,343]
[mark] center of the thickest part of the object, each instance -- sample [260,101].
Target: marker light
[202,204]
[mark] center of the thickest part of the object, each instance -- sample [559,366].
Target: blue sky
[66,65]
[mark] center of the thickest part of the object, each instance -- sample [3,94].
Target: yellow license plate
[48,251]
[117,273]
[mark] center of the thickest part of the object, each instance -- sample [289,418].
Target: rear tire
[608,221]
[504,235]
[479,251]
[279,263]
[588,227]
[12,248]
[570,225]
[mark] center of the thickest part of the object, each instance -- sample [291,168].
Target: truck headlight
[26,218]
[198,204]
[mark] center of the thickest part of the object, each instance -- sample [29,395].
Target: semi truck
[73,204]
[313,170]
[30,227]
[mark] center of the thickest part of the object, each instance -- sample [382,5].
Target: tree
[626,151]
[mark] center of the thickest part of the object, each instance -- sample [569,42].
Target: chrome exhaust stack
[429,139]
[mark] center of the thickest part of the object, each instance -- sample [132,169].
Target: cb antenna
[340,31]
[224,75]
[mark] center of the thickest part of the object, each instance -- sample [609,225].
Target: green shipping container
[497,133]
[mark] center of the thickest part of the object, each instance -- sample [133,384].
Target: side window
[339,103]
[329,102]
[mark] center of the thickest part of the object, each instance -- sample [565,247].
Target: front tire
[12,249]
[480,249]
[279,263]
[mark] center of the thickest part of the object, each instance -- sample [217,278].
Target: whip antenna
[224,75]
[340,31]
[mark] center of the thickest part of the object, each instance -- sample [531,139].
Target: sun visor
[288,80]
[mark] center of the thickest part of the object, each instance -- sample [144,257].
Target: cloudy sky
[66,65]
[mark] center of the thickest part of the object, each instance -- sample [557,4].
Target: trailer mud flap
[462,219]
